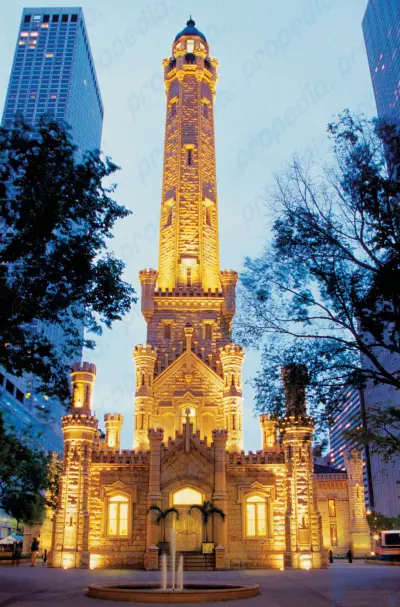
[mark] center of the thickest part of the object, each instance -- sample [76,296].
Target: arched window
[256,516]
[208,331]
[192,417]
[187,497]
[117,516]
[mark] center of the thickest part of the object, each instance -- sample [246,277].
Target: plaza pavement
[343,585]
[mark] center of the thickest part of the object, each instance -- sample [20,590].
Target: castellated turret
[231,357]
[145,359]
[83,376]
[113,423]
[148,279]
[303,521]
[229,279]
[269,433]
[71,520]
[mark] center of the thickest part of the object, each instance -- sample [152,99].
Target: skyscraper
[53,73]
[381,26]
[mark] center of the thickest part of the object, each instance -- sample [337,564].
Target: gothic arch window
[188,496]
[118,508]
[256,516]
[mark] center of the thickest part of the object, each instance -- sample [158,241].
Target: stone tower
[303,521]
[70,543]
[189,360]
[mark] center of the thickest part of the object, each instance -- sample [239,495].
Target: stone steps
[193,561]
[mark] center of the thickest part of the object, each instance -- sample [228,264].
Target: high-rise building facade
[381,26]
[52,73]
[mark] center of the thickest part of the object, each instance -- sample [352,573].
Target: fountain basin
[153,593]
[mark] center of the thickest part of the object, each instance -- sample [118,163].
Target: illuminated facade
[188,435]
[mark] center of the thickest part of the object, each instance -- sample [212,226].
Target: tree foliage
[380,522]
[325,291]
[207,510]
[162,515]
[56,218]
[25,477]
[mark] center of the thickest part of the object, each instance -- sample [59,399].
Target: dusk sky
[286,67]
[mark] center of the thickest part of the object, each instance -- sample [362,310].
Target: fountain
[177,593]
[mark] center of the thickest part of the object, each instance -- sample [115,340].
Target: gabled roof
[187,359]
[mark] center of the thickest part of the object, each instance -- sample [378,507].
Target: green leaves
[56,218]
[24,477]
[325,291]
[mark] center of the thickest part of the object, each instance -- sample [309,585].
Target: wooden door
[189,530]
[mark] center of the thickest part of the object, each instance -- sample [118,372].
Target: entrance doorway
[189,527]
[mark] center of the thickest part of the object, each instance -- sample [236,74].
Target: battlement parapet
[292,422]
[260,457]
[85,367]
[145,350]
[155,434]
[126,456]
[113,417]
[230,350]
[79,419]
[148,276]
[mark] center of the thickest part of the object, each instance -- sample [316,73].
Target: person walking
[34,551]
[18,553]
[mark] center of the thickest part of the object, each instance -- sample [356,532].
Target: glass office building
[381,26]
[52,73]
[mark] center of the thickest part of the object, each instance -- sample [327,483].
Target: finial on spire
[191,22]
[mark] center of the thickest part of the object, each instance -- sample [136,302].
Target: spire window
[189,158]
[190,46]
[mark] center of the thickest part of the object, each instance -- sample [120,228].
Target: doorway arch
[189,526]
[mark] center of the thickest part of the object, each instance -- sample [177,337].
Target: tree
[23,477]
[207,510]
[56,217]
[325,291]
[162,516]
[380,522]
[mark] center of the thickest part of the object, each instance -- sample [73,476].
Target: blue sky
[286,67]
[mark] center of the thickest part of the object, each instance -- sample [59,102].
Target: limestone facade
[188,432]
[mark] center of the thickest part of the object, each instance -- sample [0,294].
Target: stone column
[220,497]
[359,529]
[154,496]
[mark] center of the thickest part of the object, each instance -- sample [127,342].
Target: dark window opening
[189,158]
[208,332]
[64,18]
[55,18]
[19,396]
[46,18]
[168,216]
[10,386]
[27,19]
[167,331]
[209,216]
[1,379]
[188,276]
[173,109]
[205,110]
[74,18]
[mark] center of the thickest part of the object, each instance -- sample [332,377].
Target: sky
[286,67]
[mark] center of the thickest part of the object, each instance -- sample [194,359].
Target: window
[334,538]
[74,18]
[37,17]
[208,212]
[64,18]
[332,507]
[167,331]
[256,516]
[188,276]
[189,158]
[9,386]
[205,110]
[208,331]
[190,46]
[187,497]
[19,395]
[56,18]
[118,508]
[173,109]
[46,18]
[27,19]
